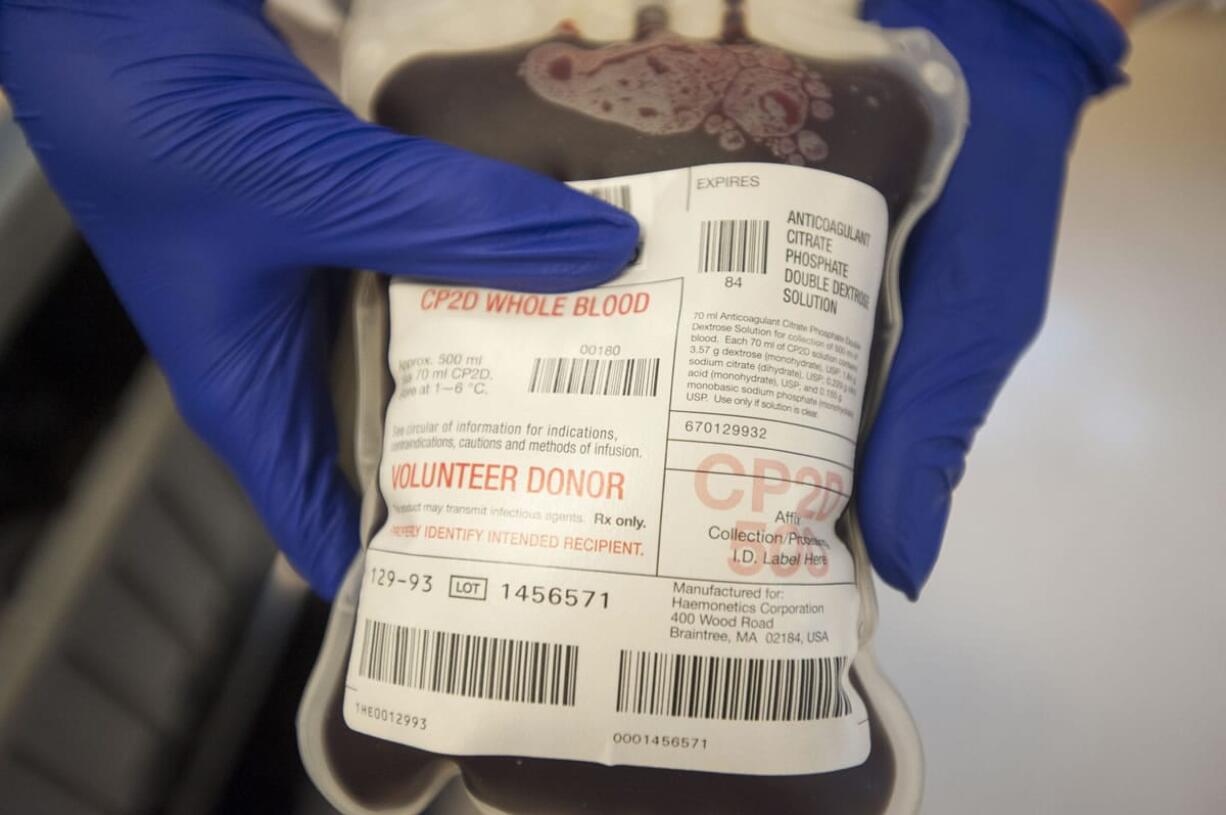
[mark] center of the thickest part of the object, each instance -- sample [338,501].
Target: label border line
[610,571]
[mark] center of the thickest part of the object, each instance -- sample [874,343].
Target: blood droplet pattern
[668,85]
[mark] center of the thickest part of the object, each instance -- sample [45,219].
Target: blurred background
[1069,653]
[1067,656]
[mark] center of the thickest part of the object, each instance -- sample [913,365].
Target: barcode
[504,670]
[595,377]
[733,246]
[698,687]
[616,194]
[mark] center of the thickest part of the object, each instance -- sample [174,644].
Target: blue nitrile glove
[975,272]
[211,172]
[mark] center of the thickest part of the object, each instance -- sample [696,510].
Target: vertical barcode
[733,246]
[504,670]
[710,687]
[616,194]
[595,377]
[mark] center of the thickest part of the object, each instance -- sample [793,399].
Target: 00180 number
[600,350]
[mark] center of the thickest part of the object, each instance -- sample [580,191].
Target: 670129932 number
[738,430]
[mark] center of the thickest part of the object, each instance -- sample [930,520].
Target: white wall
[1069,654]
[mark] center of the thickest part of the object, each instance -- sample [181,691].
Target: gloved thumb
[409,206]
[215,174]
[268,412]
[916,453]
[970,311]
[976,269]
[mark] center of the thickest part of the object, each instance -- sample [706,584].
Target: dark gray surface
[34,228]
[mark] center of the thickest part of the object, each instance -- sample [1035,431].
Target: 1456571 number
[555,595]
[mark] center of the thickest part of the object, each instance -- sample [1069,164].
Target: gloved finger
[268,412]
[410,206]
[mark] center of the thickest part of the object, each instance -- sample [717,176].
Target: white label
[610,530]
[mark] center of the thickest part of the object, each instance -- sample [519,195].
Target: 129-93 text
[390,578]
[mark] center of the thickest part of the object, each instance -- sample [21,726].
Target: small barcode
[595,377]
[708,687]
[504,670]
[616,194]
[733,246]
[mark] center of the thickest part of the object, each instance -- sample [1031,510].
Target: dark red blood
[478,101]
[560,68]
[790,105]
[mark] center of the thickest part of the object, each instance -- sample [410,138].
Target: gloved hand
[211,173]
[975,273]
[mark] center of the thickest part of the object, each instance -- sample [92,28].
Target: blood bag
[610,561]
